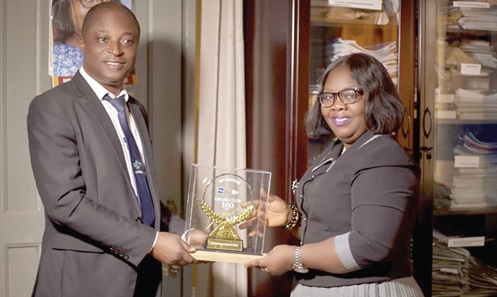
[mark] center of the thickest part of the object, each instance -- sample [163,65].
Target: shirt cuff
[342,247]
[155,240]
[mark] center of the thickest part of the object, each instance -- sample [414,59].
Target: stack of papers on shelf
[473,188]
[386,53]
[470,14]
[478,18]
[474,181]
[468,52]
[481,51]
[454,55]
[333,14]
[390,7]
[450,268]
[483,279]
[456,273]
[470,142]
[476,104]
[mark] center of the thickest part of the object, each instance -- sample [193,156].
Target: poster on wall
[65,54]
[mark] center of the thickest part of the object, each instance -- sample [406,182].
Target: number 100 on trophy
[219,201]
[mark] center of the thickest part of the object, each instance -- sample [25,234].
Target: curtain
[221,121]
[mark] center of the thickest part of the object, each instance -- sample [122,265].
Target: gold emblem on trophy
[228,191]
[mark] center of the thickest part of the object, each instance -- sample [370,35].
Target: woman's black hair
[62,22]
[383,110]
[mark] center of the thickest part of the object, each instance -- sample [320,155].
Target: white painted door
[23,75]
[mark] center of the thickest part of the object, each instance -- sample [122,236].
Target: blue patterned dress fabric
[67,59]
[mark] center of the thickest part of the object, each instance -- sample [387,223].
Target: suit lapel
[95,107]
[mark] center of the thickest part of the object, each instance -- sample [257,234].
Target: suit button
[138,220]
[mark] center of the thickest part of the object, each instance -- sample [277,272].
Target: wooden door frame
[277,86]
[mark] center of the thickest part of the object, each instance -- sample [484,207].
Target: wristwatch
[297,263]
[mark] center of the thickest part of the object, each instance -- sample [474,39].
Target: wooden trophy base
[227,257]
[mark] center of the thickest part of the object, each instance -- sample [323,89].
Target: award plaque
[219,201]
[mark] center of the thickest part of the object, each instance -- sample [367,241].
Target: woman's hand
[278,212]
[275,212]
[277,262]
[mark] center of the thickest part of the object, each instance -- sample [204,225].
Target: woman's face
[79,9]
[346,121]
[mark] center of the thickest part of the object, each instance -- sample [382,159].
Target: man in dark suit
[94,171]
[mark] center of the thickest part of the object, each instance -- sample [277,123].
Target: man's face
[109,46]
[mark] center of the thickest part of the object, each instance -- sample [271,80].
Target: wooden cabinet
[277,59]
[458,132]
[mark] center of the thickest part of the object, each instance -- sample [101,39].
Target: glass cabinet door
[336,31]
[460,143]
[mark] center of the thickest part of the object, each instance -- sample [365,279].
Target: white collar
[99,90]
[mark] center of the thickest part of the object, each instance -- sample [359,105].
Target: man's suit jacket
[94,243]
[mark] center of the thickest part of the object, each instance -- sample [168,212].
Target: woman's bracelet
[295,217]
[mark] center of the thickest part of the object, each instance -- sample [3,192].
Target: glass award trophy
[219,201]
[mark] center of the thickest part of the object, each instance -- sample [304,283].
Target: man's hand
[170,249]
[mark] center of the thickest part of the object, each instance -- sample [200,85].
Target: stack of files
[450,268]
[474,182]
[483,279]
[322,12]
[481,51]
[456,273]
[476,104]
[386,53]
[454,55]
[478,18]
[473,188]
[470,15]
[474,145]
[381,17]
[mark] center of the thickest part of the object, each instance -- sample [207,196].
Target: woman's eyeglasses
[91,3]
[347,96]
